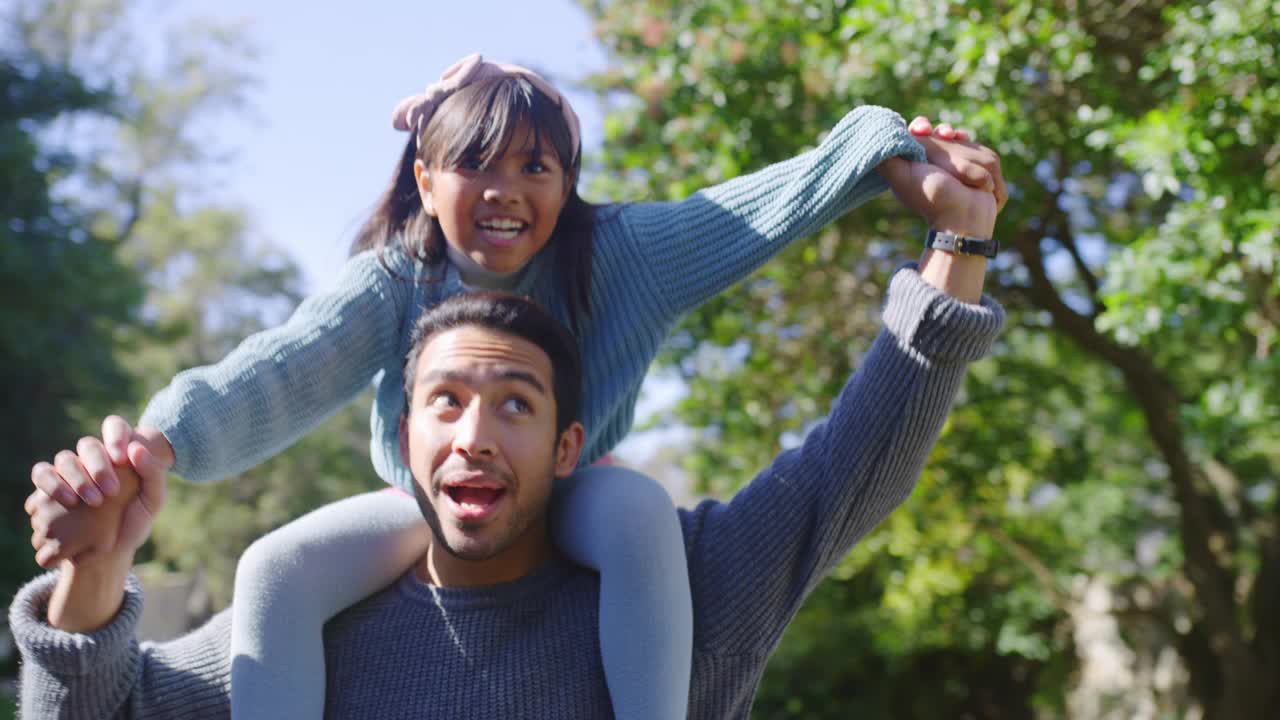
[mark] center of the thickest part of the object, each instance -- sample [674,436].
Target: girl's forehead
[523,140]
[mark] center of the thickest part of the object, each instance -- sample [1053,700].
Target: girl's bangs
[480,122]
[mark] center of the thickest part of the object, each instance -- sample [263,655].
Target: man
[491,622]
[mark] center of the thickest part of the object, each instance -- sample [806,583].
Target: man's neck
[440,567]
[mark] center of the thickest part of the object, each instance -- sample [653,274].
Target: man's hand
[948,205]
[91,586]
[88,478]
[120,525]
[954,151]
[945,202]
[88,473]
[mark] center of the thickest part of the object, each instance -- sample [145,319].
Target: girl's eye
[470,162]
[536,167]
[517,406]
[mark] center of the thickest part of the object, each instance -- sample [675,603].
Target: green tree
[63,290]
[1123,433]
[210,280]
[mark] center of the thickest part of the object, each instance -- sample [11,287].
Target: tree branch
[1033,563]
[1068,240]
[1206,532]
[133,211]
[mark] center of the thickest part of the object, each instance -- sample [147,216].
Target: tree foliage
[1125,433]
[62,286]
[120,267]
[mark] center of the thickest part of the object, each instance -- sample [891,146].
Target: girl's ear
[423,177]
[570,180]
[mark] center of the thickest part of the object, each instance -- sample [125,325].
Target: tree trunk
[1207,535]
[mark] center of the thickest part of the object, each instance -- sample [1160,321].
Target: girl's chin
[501,255]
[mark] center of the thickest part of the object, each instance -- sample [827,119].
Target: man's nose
[473,434]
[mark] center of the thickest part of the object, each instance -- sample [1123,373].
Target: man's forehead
[482,353]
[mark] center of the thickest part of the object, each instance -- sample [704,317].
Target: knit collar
[551,574]
[474,275]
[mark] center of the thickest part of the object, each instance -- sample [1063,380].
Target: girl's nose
[499,190]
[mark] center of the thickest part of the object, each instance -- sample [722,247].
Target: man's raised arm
[76,627]
[753,560]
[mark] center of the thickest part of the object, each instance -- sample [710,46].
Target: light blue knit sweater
[652,262]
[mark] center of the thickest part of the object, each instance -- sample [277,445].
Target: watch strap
[961,244]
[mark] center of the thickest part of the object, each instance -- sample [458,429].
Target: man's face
[481,441]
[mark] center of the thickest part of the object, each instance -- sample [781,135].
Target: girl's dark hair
[479,121]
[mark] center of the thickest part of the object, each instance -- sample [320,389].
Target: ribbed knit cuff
[936,325]
[161,415]
[879,131]
[72,654]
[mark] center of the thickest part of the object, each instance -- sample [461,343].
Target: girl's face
[501,215]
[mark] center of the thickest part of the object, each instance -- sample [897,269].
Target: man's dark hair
[515,316]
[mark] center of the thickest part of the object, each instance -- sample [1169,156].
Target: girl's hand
[88,473]
[922,126]
[953,150]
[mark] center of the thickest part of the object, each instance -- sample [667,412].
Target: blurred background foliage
[117,270]
[1097,533]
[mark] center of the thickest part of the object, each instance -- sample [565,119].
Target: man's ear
[422,176]
[404,438]
[569,449]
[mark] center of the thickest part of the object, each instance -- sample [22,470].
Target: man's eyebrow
[464,376]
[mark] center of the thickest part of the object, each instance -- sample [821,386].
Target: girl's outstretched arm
[280,383]
[292,580]
[624,525]
[696,248]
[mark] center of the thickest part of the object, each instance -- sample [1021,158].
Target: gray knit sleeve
[753,560]
[694,249]
[280,383]
[108,674]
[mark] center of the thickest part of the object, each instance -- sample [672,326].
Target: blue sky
[319,147]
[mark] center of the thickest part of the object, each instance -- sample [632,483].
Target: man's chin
[467,547]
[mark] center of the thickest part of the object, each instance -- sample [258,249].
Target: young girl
[484,196]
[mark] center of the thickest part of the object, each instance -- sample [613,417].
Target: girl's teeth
[505,229]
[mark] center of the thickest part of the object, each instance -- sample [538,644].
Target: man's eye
[442,400]
[517,406]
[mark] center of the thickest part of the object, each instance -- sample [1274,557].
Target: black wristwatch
[961,244]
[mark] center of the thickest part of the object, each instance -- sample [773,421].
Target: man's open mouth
[474,500]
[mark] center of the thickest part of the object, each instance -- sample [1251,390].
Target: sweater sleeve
[753,560]
[280,383]
[108,674]
[696,248]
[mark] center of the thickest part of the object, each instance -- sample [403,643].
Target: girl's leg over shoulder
[624,525]
[292,580]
